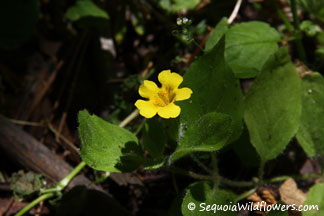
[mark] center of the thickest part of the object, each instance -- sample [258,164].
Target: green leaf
[165,4]
[248,46]
[154,137]
[85,8]
[315,197]
[177,5]
[210,133]
[310,134]
[106,146]
[215,89]
[201,195]
[310,28]
[18,19]
[273,107]
[181,4]
[219,31]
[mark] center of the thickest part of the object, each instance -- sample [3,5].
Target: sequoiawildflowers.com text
[262,206]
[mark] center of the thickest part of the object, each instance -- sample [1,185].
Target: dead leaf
[290,194]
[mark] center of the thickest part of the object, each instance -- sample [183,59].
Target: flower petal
[146,108]
[148,89]
[169,111]
[168,79]
[183,94]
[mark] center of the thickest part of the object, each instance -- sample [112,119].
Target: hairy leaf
[273,107]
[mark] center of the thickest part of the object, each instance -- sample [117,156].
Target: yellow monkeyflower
[161,100]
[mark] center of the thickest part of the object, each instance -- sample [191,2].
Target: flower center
[165,97]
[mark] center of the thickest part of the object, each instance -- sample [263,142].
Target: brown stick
[33,155]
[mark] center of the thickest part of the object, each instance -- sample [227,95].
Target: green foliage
[248,46]
[310,28]
[279,105]
[177,5]
[310,134]
[18,19]
[201,192]
[105,146]
[219,31]
[215,89]
[273,107]
[315,197]
[210,133]
[85,8]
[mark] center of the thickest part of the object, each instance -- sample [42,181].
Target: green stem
[199,163]
[283,178]
[52,191]
[140,127]
[294,13]
[261,172]
[34,203]
[222,180]
[244,195]
[288,39]
[65,181]
[232,183]
[285,19]
[102,178]
[300,47]
[215,169]
[190,174]
[197,44]
[129,118]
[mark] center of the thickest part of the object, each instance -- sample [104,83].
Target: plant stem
[232,183]
[215,169]
[300,47]
[294,13]
[284,19]
[190,174]
[283,178]
[197,44]
[33,203]
[199,163]
[222,180]
[261,172]
[244,195]
[235,11]
[67,179]
[140,127]
[129,118]
[52,191]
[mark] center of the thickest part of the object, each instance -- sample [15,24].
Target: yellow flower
[161,100]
